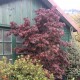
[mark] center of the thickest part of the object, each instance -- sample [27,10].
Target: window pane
[19,45]
[5,37]
[7,48]
[1,48]
[0,35]
[18,39]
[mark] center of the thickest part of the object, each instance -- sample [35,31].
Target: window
[5,42]
[19,42]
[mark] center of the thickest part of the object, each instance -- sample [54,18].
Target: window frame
[3,42]
[13,55]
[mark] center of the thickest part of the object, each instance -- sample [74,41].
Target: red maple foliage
[43,40]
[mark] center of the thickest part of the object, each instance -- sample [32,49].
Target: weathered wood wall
[17,10]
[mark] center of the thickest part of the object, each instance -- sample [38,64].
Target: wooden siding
[17,10]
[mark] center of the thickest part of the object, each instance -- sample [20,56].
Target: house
[16,10]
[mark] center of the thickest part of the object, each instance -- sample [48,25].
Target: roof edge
[64,16]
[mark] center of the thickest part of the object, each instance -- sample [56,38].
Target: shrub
[23,69]
[43,40]
[73,70]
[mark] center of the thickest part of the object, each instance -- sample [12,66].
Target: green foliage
[22,69]
[74,58]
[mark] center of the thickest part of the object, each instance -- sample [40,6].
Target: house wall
[16,10]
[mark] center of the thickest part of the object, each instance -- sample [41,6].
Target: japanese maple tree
[43,40]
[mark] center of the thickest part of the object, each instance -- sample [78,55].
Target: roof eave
[64,17]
